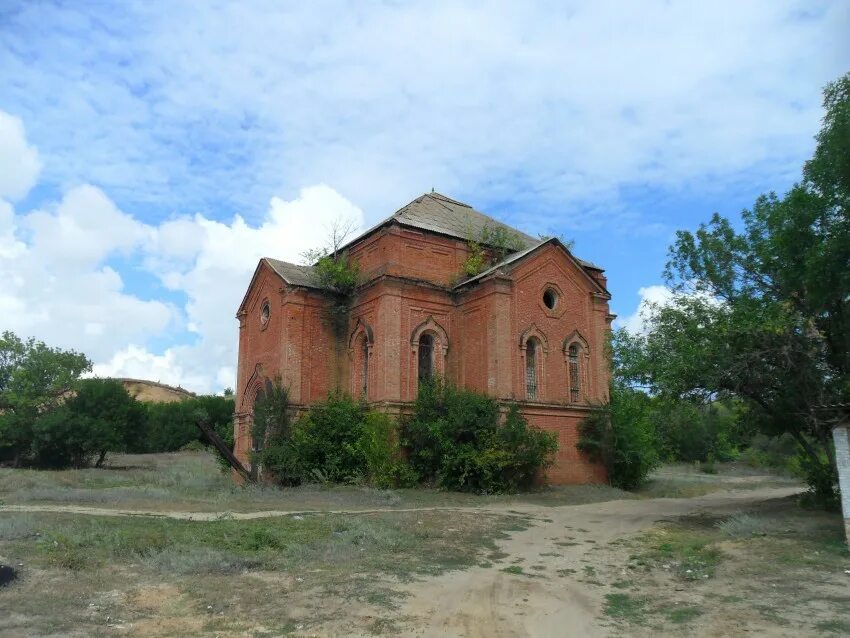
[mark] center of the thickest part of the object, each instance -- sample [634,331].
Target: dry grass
[106,567]
[192,481]
[777,566]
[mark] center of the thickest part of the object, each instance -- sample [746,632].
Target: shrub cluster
[454,440]
[621,435]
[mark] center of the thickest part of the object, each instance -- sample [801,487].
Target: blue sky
[151,152]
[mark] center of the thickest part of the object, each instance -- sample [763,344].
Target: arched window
[257,442]
[364,353]
[426,357]
[575,372]
[531,353]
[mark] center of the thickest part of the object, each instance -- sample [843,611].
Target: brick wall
[481,327]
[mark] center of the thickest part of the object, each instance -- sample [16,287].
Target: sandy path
[485,601]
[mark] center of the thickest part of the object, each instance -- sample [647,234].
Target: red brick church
[530,328]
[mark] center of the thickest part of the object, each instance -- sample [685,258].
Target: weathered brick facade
[495,333]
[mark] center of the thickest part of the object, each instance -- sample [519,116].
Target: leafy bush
[101,417]
[690,432]
[172,426]
[622,437]
[378,443]
[325,439]
[822,479]
[454,440]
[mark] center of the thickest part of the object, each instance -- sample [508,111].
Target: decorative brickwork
[411,315]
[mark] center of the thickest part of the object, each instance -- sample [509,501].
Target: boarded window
[575,374]
[426,357]
[531,369]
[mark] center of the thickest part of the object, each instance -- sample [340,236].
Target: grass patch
[513,569]
[838,626]
[626,608]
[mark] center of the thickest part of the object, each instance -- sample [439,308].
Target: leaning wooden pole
[223,449]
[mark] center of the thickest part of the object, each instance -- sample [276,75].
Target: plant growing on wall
[337,272]
[489,246]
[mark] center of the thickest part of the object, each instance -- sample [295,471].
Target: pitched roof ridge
[436,195]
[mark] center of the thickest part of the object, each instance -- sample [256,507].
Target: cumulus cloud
[61,283]
[649,295]
[19,161]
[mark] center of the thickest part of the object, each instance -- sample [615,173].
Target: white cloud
[59,287]
[649,295]
[538,103]
[19,161]
[65,295]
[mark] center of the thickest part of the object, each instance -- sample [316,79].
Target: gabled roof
[294,274]
[440,214]
[518,256]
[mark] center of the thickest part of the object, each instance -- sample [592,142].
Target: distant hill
[155,392]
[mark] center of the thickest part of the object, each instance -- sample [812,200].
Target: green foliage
[385,463]
[172,426]
[34,380]
[321,445]
[621,436]
[101,417]
[763,315]
[822,478]
[692,432]
[326,437]
[340,273]
[455,441]
[491,245]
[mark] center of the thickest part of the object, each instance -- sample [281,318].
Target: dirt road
[489,602]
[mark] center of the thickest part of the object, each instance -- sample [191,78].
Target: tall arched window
[364,353]
[426,357]
[575,373]
[531,369]
[257,442]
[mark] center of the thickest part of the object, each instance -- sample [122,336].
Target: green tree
[100,417]
[35,379]
[763,314]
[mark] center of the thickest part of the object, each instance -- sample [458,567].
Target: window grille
[531,369]
[575,374]
[365,381]
[426,357]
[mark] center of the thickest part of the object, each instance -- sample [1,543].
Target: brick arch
[361,326]
[256,383]
[430,325]
[441,349]
[534,331]
[359,358]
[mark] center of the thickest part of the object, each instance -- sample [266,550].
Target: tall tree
[764,314]
[34,379]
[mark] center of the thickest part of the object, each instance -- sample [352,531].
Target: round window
[550,298]
[265,311]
